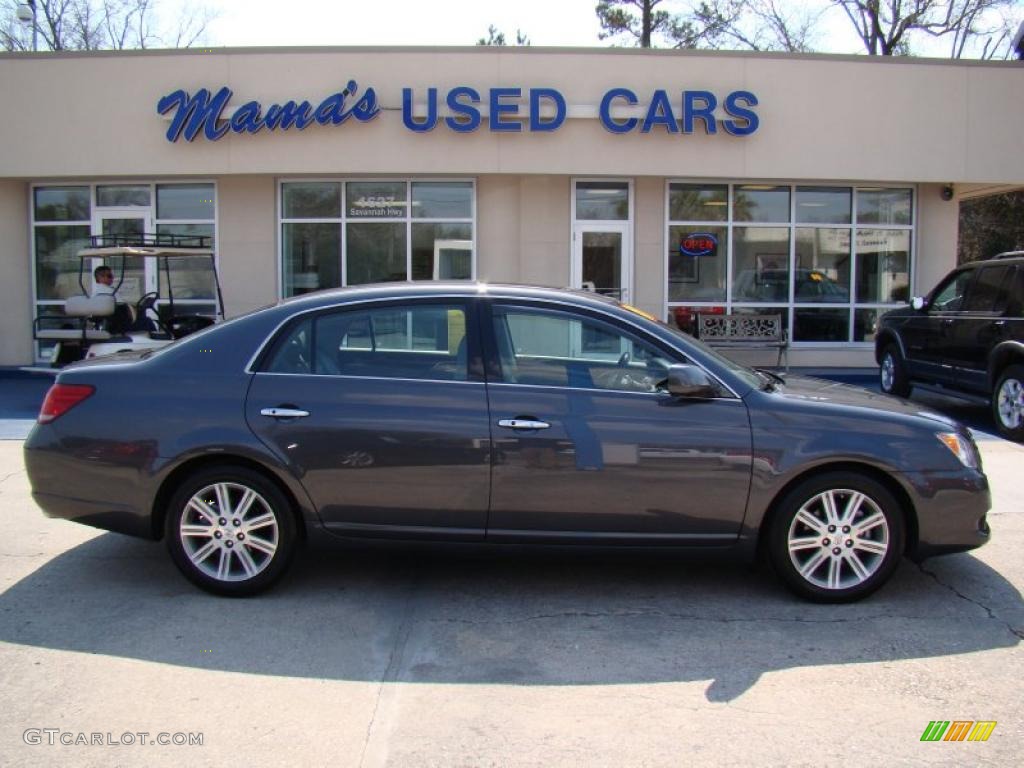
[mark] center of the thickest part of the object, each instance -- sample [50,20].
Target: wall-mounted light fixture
[947,192]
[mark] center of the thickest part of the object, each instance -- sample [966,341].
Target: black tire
[1008,403]
[892,374]
[877,549]
[264,531]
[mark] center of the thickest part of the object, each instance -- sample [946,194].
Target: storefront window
[122,195]
[184,201]
[697,202]
[823,205]
[375,253]
[760,264]
[753,202]
[695,275]
[884,206]
[62,204]
[827,276]
[883,265]
[57,262]
[311,257]
[387,230]
[602,200]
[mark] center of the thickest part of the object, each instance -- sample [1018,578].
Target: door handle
[284,413]
[521,423]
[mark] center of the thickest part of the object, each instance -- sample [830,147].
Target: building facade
[820,188]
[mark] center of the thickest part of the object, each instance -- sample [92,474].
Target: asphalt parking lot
[408,660]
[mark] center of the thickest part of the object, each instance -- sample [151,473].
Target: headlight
[961,447]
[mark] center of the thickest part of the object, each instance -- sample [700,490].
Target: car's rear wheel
[837,537]
[893,373]
[1008,402]
[230,530]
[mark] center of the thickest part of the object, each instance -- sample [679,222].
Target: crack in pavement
[1019,633]
[9,475]
[394,664]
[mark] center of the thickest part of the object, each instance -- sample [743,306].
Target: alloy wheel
[1010,403]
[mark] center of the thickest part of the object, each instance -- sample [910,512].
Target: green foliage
[497,37]
[991,225]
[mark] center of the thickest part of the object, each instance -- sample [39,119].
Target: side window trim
[493,362]
[468,305]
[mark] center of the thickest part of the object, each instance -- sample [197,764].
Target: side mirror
[918,303]
[689,381]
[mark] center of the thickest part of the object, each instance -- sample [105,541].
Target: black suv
[965,338]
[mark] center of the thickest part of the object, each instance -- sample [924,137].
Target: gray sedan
[495,415]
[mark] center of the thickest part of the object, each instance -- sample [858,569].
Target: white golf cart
[103,324]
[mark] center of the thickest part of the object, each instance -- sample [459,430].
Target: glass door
[601,259]
[139,277]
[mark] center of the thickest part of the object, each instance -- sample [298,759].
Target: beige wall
[937,229]
[247,242]
[15,275]
[822,117]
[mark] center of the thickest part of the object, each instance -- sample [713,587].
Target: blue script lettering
[204,112]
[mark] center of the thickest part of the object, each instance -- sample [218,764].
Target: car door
[381,412]
[587,448]
[927,336]
[981,325]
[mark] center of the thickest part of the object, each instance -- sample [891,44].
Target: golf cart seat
[81,307]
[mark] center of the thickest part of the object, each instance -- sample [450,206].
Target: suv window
[559,349]
[988,292]
[949,296]
[426,341]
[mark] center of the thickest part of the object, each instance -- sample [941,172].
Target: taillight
[62,398]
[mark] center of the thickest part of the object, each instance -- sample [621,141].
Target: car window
[426,341]
[950,295]
[551,348]
[1015,301]
[988,292]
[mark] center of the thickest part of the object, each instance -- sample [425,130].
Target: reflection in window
[823,205]
[375,200]
[375,253]
[442,200]
[312,257]
[311,200]
[698,202]
[557,349]
[442,251]
[602,200]
[821,324]
[753,202]
[883,265]
[62,204]
[184,201]
[760,264]
[884,206]
[57,262]
[822,265]
[122,195]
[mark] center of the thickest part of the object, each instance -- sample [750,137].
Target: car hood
[812,390]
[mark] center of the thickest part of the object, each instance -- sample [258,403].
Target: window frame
[270,345]
[789,307]
[344,220]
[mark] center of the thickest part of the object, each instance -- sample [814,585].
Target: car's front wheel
[1008,402]
[893,373]
[230,530]
[836,537]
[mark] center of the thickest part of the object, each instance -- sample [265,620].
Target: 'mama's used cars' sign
[462,109]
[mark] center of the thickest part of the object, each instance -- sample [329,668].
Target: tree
[887,27]
[693,25]
[772,25]
[85,25]
[991,225]
[495,37]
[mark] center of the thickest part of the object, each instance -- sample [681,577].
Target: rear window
[426,341]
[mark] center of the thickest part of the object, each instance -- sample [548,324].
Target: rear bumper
[109,517]
[952,509]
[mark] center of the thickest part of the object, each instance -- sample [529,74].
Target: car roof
[452,288]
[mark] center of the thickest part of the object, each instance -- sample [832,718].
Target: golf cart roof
[163,246]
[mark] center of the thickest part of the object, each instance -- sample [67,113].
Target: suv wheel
[1008,403]
[893,373]
[837,537]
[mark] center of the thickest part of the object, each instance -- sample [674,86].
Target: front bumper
[952,509]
